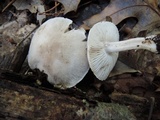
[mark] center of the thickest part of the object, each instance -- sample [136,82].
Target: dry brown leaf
[128,83]
[121,68]
[69,5]
[118,10]
[142,60]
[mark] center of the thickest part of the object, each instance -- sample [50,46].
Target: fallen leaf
[69,5]
[24,31]
[128,83]
[13,32]
[10,28]
[33,6]
[86,13]
[30,5]
[8,43]
[119,10]
[40,17]
[121,68]
[142,60]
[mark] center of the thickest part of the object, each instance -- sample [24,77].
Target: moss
[110,111]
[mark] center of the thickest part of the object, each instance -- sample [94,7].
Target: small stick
[10,3]
[50,9]
[56,3]
[26,37]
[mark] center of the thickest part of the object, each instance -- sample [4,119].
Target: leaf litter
[132,17]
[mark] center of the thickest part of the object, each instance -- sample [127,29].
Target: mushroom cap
[59,52]
[102,62]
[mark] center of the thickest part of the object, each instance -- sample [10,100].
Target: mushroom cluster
[103,47]
[65,56]
[59,52]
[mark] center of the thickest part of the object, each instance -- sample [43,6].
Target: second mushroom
[103,47]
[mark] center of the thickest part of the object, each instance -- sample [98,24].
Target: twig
[26,37]
[56,3]
[10,3]
[50,9]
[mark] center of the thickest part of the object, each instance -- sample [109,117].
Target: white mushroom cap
[100,61]
[59,52]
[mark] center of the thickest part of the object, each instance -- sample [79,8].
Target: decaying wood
[19,101]
[13,60]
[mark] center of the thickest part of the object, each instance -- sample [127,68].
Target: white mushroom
[59,52]
[103,46]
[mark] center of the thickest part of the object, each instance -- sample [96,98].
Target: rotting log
[18,101]
[13,59]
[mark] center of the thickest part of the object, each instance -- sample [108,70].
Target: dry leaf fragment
[30,5]
[33,6]
[128,83]
[9,29]
[119,10]
[40,17]
[69,5]
[142,60]
[121,68]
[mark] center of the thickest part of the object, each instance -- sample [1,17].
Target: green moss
[110,111]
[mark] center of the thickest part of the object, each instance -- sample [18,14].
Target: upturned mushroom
[59,52]
[103,47]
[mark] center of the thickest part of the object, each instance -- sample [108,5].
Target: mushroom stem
[148,43]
